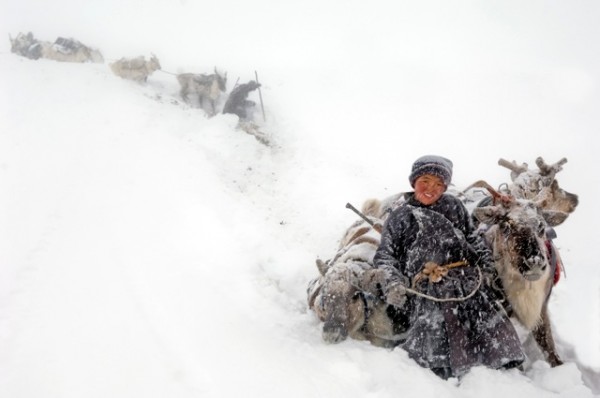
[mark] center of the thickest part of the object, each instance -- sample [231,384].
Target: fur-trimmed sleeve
[389,255]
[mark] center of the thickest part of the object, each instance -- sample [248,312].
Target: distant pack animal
[63,49]
[71,50]
[137,69]
[26,45]
[524,257]
[207,89]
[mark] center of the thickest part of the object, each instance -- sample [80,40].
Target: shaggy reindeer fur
[527,298]
[344,296]
[207,88]
[136,69]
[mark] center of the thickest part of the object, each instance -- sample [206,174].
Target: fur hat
[431,164]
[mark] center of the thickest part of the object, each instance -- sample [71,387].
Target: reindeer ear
[563,200]
[487,214]
[554,217]
[322,266]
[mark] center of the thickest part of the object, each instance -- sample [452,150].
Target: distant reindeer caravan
[198,90]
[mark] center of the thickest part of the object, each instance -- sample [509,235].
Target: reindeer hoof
[555,361]
[334,332]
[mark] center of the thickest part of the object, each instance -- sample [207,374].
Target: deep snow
[147,250]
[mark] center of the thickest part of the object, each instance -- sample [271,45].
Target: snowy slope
[149,251]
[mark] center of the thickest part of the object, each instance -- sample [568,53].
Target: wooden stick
[260,96]
[354,209]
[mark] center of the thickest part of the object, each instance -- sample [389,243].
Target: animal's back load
[63,49]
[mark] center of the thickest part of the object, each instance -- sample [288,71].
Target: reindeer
[208,88]
[70,50]
[136,69]
[341,296]
[526,260]
[530,184]
[26,45]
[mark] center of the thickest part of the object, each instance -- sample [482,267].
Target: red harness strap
[554,260]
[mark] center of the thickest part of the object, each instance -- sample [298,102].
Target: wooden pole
[260,96]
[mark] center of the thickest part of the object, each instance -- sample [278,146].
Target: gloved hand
[396,295]
[373,281]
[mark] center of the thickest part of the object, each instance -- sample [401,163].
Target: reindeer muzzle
[533,269]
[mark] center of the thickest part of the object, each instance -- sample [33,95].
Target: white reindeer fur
[136,69]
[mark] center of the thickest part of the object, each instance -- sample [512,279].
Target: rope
[435,272]
[167,72]
[451,299]
[427,296]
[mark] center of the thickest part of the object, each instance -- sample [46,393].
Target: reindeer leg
[543,336]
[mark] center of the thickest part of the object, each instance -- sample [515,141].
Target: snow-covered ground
[149,251]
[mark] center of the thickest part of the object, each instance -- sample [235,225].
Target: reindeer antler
[547,170]
[515,169]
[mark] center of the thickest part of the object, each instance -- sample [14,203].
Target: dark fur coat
[448,337]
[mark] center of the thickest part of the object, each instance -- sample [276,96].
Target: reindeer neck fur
[527,298]
[359,242]
[215,91]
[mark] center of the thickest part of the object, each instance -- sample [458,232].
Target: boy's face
[429,188]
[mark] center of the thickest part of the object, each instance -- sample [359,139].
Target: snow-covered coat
[447,336]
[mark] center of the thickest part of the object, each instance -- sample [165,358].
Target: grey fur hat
[431,164]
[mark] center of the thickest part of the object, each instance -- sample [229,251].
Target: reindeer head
[221,80]
[541,186]
[517,233]
[154,64]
